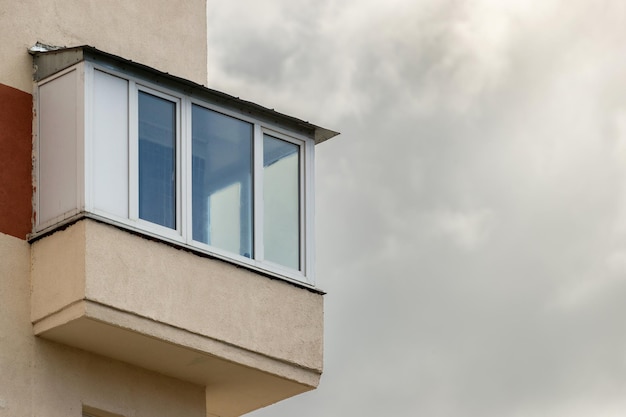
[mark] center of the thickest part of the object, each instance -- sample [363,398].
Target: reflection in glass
[222,181]
[157,160]
[281,198]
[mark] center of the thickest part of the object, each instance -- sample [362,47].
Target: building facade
[156,236]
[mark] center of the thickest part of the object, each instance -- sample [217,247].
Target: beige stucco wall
[203,295]
[65,379]
[250,339]
[153,280]
[16,338]
[167,35]
[42,378]
[59,283]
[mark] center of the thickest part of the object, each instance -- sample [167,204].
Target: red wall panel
[16,188]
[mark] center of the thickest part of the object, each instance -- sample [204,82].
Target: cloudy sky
[471,217]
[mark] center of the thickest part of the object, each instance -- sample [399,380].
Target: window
[157,159]
[162,156]
[222,166]
[204,176]
[281,199]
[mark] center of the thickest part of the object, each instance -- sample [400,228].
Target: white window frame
[183,233]
[302,200]
[133,160]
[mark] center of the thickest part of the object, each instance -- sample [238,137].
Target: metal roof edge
[64,57]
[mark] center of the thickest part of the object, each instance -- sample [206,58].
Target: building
[156,236]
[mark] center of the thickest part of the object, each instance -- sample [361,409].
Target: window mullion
[258,193]
[186,175]
[178,168]
[307,210]
[88,132]
[133,151]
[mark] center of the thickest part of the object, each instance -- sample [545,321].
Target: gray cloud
[472,216]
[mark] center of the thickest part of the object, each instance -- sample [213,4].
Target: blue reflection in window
[222,181]
[157,160]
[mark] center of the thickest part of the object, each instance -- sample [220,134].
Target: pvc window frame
[80,148]
[134,88]
[182,235]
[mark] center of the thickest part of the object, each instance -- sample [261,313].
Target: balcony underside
[237,381]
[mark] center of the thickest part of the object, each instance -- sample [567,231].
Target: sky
[471,216]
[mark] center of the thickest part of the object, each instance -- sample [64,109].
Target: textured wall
[41,378]
[150,279]
[38,377]
[16,334]
[167,35]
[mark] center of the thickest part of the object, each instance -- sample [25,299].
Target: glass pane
[222,181]
[281,199]
[157,160]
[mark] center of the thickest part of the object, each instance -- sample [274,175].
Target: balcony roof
[49,60]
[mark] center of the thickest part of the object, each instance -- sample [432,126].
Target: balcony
[174,229]
[250,339]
